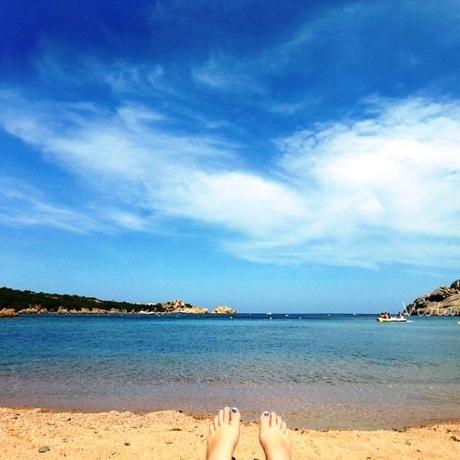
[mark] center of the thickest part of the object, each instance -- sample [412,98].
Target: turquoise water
[320,371]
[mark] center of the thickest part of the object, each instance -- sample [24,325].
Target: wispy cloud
[60,67]
[342,27]
[24,205]
[381,188]
[228,74]
[387,186]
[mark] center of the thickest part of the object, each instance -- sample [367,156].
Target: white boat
[392,319]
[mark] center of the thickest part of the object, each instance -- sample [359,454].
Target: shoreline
[175,435]
[20,313]
[181,313]
[207,416]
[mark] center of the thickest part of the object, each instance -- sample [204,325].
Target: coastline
[175,435]
[14,302]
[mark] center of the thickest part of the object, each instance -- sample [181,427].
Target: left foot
[224,434]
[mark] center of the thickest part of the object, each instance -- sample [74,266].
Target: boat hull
[392,320]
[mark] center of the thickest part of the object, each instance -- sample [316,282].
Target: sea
[321,371]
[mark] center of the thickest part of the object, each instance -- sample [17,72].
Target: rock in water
[179,306]
[225,310]
[7,313]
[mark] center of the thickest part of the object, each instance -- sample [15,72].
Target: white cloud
[24,205]
[239,201]
[399,170]
[384,188]
[387,187]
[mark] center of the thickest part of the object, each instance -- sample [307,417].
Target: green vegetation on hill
[21,300]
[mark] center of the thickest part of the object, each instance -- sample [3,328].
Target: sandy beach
[171,435]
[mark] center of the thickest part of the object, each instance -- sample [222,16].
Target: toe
[216,422]
[279,421]
[226,414]
[211,428]
[235,416]
[265,419]
[283,427]
[221,417]
[273,419]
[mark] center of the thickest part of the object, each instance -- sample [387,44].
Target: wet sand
[171,435]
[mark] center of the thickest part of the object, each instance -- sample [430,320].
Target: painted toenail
[234,410]
[266,413]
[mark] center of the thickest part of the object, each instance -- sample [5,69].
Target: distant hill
[14,302]
[443,301]
[42,302]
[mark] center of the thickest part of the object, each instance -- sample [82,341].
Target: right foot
[274,437]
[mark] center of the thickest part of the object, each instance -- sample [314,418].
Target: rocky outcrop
[173,306]
[225,310]
[179,306]
[89,311]
[7,313]
[34,310]
[193,310]
[443,301]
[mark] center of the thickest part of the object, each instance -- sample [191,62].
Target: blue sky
[284,156]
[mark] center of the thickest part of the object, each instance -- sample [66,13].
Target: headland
[15,302]
[443,301]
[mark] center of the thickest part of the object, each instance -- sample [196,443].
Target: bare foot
[224,434]
[274,437]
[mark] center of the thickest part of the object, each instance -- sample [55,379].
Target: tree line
[19,300]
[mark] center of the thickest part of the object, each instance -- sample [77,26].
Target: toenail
[234,410]
[266,413]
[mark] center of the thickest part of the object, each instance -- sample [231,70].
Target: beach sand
[171,435]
